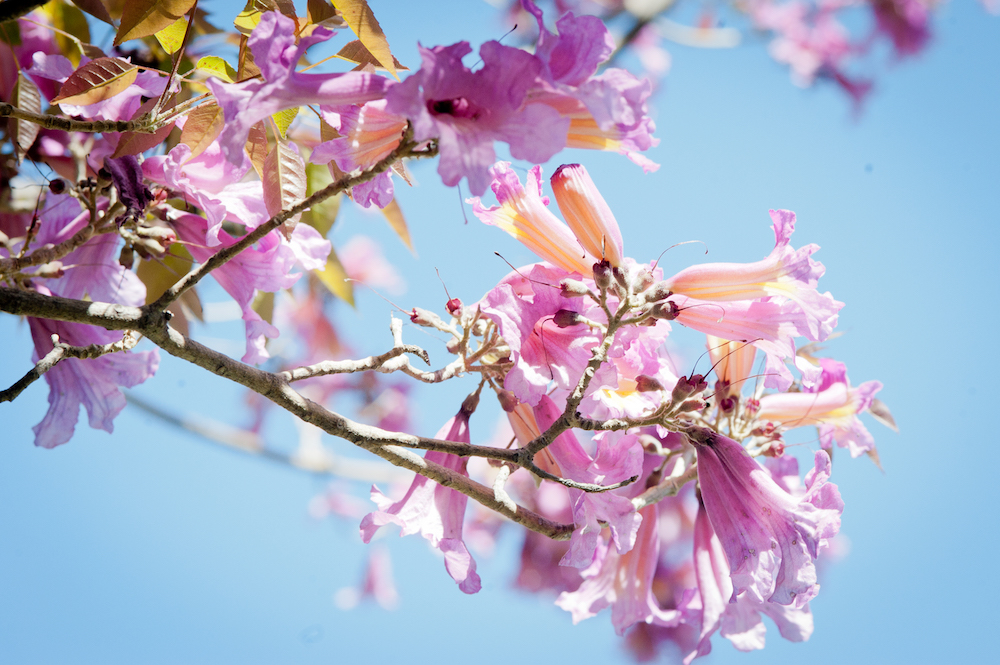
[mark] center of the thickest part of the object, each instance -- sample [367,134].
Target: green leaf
[322,215]
[283,120]
[141,18]
[172,36]
[215,66]
[96,81]
[334,278]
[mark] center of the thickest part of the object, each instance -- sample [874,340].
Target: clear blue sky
[151,546]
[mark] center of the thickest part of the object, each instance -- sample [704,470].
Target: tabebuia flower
[433,510]
[587,213]
[771,539]
[832,405]
[786,273]
[275,52]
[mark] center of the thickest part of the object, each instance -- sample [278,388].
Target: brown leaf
[321,12]
[284,181]
[357,53]
[881,413]
[96,9]
[394,215]
[132,143]
[362,21]
[96,81]
[256,147]
[141,18]
[202,127]
[23,133]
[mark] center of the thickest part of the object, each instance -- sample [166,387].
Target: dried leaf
[202,127]
[334,277]
[132,143]
[93,52]
[248,19]
[215,66]
[881,413]
[318,11]
[283,120]
[96,81]
[284,181]
[256,147]
[394,215]
[172,36]
[141,18]
[361,20]
[23,133]
[96,9]
[356,53]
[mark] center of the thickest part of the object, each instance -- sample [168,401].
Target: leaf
[356,53]
[283,120]
[256,147]
[10,33]
[321,12]
[263,304]
[70,21]
[160,274]
[96,9]
[172,36]
[215,66]
[132,143]
[248,19]
[26,96]
[322,215]
[141,18]
[394,215]
[202,127]
[881,413]
[361,20]
[334,277]
[284,181]
[96,81]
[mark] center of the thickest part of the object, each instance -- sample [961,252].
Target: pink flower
[905,22]
[832,405]
[771,539]
[467,111]
[435,511]
[624,582]
[276,53]
[377,584]
[785,273]
[587,213]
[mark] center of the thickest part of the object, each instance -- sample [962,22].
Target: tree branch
[70,125]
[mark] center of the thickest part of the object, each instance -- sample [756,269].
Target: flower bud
[692,405]
[647,384]
[423,317]
[573,288]
[688,386]
[666,310]
[50,269]
[727,404]
[508,402]
[602,275]
[565,318]
[642,280]
[454,306]
[127,257]
[57,186]
[657,292]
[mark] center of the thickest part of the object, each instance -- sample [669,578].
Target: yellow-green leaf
[394,215]
[215,66]
[322,215]
[202,127]
[160,274]
[172,36]
[334,277]
[248,19]
[284,181]
[283,120]
[141,18]
[96,81]
[70,21]
[358,15]
[25,96]
[263,304]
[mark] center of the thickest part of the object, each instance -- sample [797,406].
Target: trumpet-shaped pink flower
[770,538]
[624,582]
[832,405]
[467,111]
[785,273]
[733,361]
[523,213]
[435,511]
[587,213]
[276,54]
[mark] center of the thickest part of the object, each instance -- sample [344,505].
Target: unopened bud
[657,292]
[149,248]
[647,384]
[666,310]
[57,186]
[127,257]
[642,280]
[752,406]
[774,449]
[50,269]
[602,275]
[423,317]
[454,306]
[162,234]
[565,318]
[573,288]
[452,345]
[722,389]
[688,386]
[508,402]
[727,404]
[620,273]
[470,403]
[692,405]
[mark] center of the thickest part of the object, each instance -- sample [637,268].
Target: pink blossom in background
[377,583]
[364,262]
[905,22]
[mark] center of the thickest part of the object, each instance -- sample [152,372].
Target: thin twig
[70,125]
